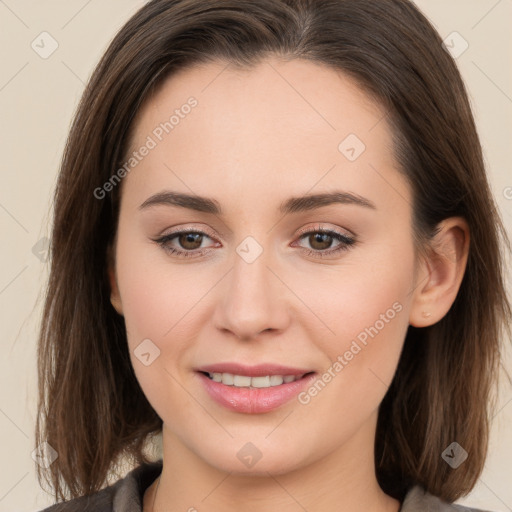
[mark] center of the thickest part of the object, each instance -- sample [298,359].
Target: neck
[342,481]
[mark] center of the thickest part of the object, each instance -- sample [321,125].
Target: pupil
[323,239]
[192,239]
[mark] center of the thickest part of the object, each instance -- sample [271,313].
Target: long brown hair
[91,409]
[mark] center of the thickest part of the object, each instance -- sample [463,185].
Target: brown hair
[91,409]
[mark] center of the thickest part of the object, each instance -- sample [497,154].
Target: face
[255,282]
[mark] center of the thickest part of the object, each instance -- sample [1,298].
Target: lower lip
[254,400]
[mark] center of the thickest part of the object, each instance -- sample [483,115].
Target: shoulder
[125,494]
[418,500]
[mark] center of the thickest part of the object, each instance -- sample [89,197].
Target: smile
[245,381]
[253,390]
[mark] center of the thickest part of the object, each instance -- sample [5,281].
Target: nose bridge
[252,300]
[250,266]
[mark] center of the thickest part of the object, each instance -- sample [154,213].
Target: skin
[256,138]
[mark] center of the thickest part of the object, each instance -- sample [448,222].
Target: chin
[256,458]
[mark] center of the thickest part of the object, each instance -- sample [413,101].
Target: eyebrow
[292,205]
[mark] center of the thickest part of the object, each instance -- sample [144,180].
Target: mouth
[246,381]
[252,390]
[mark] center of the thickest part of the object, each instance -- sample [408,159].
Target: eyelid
[322,226]
[308,229]
[190,227]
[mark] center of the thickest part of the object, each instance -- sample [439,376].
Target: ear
[440,273]
[115,297]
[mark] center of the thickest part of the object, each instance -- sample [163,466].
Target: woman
[275,243]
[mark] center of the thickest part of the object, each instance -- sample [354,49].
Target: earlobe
[441,273]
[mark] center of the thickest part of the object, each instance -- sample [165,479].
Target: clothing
[127,493]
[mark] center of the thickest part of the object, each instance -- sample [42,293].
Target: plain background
[37,100]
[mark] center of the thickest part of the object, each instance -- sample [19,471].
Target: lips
[253,389]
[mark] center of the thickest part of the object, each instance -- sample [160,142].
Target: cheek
[362,300]
[155,298]
[367,308]
[155,294]
[162,303]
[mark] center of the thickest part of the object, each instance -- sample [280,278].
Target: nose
[252,299]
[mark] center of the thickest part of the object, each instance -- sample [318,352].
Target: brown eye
[184,244]
[190,241]
[320,241]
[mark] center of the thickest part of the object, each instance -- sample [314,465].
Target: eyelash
[347,242]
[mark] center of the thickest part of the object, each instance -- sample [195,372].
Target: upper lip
[259,370]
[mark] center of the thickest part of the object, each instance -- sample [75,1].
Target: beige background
[37,99]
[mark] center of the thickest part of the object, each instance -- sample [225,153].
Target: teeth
[244,381]
[241,381]
[276,380]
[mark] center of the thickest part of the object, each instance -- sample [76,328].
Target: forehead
[279,124]
[296,94]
